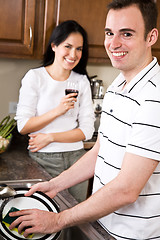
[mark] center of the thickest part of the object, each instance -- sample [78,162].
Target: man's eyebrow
[121,30]
[127,30]
[107,30]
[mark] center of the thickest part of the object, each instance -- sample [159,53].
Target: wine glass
[71,87]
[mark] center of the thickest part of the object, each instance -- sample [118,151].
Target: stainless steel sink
[64,200]
[70,234]
[73,233]
[27,183]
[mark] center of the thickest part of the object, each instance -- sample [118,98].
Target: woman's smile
[69,52]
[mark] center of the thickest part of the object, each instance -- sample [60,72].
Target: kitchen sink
[73,233]
[64,200]
[27,183]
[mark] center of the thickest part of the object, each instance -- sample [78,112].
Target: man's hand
[45,187]
[35,221]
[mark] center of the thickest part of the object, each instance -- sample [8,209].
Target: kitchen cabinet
[91,15]
[17,21]
[24,33]
[26,25]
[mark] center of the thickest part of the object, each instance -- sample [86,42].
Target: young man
[125,158]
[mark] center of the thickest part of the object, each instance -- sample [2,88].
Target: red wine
[68,91]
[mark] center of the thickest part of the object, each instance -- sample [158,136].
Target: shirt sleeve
[26,107]
[86,116]
[145,137]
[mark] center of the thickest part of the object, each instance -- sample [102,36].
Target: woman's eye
[67,46]
[80,49]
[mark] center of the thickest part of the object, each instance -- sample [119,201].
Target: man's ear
[152,36]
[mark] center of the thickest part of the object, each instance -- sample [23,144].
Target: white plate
[38,200]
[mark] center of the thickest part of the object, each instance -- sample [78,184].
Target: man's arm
[121,191]
[82,170]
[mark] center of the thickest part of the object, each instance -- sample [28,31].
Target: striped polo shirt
[130,122]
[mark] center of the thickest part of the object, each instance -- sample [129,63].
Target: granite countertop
[15,164]
[90,143]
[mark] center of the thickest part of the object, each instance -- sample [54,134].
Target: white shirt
[130,122]
[40,93]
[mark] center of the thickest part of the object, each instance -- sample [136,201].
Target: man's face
[124,40]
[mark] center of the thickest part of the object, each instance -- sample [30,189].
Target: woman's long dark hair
[59,35]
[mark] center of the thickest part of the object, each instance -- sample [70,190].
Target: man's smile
[119,54]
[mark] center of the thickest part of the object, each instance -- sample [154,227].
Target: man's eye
[127,34]
[108,34]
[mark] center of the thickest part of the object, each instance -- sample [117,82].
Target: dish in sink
[38,200]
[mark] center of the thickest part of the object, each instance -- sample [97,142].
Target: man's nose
[115,42]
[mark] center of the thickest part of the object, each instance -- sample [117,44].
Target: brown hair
[148,10]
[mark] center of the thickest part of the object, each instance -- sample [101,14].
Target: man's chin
[117,65]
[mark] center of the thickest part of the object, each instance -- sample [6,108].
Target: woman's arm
[37,107]
[38,122]
[40,140]
[86,115]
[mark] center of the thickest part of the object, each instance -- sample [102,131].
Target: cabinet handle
[30,36]
[58,12]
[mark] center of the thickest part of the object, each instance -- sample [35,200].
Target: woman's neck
[58,73]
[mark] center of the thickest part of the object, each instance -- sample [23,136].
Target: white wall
[12,71]
[103,72]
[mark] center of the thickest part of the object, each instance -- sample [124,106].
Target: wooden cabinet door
[50,16]
[17,20]
[91,14]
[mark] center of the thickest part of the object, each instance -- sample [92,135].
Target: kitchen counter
[15,163]
[17,166]
[90,143]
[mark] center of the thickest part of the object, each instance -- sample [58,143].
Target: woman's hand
[67,102]
[37,221]
[39,140]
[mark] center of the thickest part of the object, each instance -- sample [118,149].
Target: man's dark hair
[148,10]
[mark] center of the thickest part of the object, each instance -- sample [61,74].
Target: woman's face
[69,52]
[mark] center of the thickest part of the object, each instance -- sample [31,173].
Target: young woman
[57,123]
